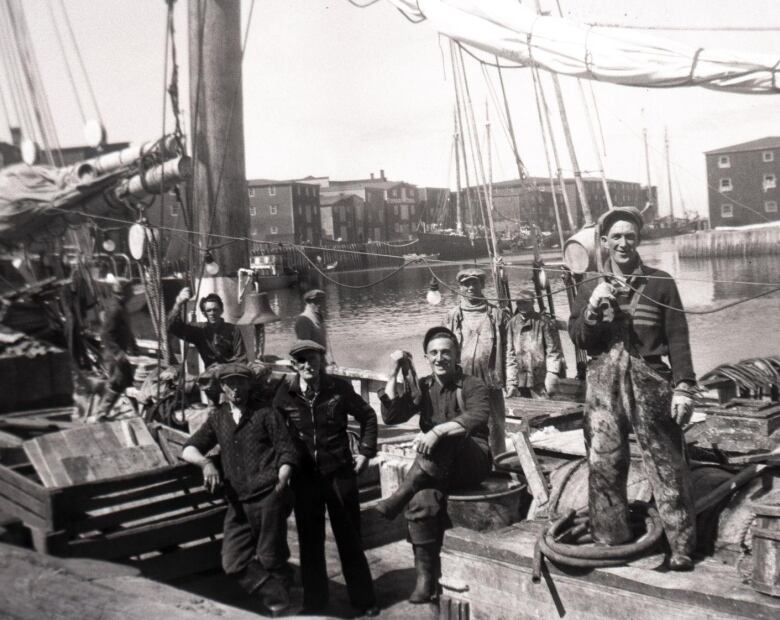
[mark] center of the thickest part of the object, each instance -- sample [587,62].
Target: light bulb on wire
[109,245]
[433,296]
[212,266]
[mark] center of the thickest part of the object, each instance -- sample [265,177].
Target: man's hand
[428,442]
[361,462]
[512,391]
[184,296]
[682,406]
[399,359]
[211,478]
[551,381]
[285,471]
[604,293]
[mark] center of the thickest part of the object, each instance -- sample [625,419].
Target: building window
[273,209]
[272,191]
[770,181]
[725,185]
[770,206]
[724,161]
[251,192]
[727,210]
[274,230]
[768,156]
[252,210]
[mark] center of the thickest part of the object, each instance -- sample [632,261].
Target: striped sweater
[655,331]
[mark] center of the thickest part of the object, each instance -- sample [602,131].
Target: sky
[334,90]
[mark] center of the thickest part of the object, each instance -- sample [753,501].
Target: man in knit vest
[628,323]
[480,328]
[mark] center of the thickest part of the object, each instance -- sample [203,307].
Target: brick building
[342,217]
[434,208]
[622,193]
[284,211]
[742,183]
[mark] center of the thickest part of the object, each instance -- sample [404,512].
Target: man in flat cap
[257,457]
[317,408]
[118,341]
[628,323]
[480,328]
[534,357]
[452,449]
[310,324]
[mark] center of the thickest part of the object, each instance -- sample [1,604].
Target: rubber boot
[416,480]
[426,562]
[275,597]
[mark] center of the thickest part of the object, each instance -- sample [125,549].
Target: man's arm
[586,328]
[676,328]
[176,325]
[476,404]
[286,455]
[396,409]
[239,349]
[552,345]
[195,450]
[366,417]
[511,359]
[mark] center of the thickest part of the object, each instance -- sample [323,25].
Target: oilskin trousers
[623,391]
[456,463]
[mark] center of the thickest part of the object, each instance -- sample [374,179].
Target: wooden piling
[729,243]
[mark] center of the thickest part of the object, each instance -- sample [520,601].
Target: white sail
[514,32]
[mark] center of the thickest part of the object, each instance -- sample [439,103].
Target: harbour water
[366,324]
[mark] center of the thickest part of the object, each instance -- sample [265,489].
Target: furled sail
[516,32]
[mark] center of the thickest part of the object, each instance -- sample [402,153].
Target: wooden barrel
[498,502]
[766,545]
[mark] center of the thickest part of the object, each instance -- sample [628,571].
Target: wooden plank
[16,479]
[537,483]
[125,516]
[89,467]
[34,452]
[22,512]
[138,540]
[191,482]
[88,490]
[183,561]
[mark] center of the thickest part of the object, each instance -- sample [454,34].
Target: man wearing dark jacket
[317,407]
[258,457]
[452,449]
[628,323]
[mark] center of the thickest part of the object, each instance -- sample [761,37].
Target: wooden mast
[669,177]
[219,196]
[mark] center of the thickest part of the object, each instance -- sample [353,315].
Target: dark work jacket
[319,427]
[216,344]
[438,404]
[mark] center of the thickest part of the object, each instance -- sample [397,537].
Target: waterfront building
[342,217]
[742,183]
[284,211]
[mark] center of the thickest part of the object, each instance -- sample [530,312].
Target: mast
[647,166]
[458,208]
[219,196]
[668,174]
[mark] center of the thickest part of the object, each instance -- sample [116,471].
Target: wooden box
[744,426]
[163,521]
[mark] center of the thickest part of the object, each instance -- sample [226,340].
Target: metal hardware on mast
[668,174]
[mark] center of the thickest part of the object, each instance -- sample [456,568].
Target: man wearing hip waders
[629,323]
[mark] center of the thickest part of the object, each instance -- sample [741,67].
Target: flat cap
[313,295]
[629,214]
[439,332]
[299,346]
[527,293]
[232,369]
[471,272]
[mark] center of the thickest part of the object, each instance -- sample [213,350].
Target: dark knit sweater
[655,331]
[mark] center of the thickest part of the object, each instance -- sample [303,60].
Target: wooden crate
[162,521]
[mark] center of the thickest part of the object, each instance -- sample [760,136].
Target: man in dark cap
[534,357]
[257,457]
[317,408]
[118,341]
[480,328]
[217,341]
[628,323]
[452,449]
[310,324]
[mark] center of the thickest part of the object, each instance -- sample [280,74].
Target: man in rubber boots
[480,328]
[217,341]
[534,357]
[628,323]
[257,456]
[316,408]
[117,340]
[452,449]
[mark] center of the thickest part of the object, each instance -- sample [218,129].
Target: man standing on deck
[452,449]
[258,457]
[317,407]
[118,341]
[534,357]
[480,328]
[217,341]
[628,323]
[310,324]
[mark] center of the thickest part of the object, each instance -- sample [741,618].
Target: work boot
[416,480]
[426,561]
[275,597]
[680,562]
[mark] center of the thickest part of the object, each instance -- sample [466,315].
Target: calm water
[365,325]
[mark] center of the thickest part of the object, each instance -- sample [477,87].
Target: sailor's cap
[470,273]
[629,214]
[301,346]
